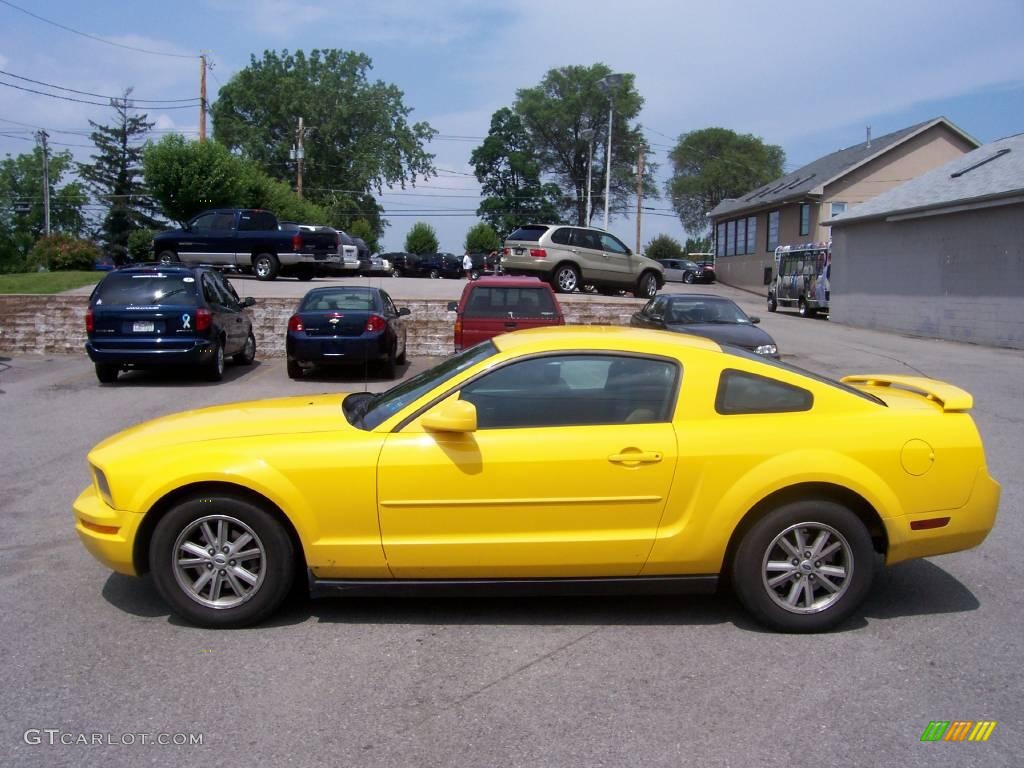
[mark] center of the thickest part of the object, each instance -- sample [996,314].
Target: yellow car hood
[291,415]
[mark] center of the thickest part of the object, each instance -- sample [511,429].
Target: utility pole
[202,97]
[300,157]
[639,194]
[43,136]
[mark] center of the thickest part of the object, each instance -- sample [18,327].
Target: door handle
[635,457]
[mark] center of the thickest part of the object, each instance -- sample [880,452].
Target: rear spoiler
[951,398]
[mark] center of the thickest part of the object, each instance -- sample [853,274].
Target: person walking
[467,265]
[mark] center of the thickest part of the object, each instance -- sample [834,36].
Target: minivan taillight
[296,242]
[204,319]
[375,324]
[538,253]
[89,323]
[295,324]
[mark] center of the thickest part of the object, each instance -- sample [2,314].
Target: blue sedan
[346,325]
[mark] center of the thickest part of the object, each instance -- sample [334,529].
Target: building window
[838,208]
[720,241]
[751,234]
[730,238]
[772,240]
[805,219]
[741,236]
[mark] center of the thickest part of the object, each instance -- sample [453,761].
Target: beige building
[789,210]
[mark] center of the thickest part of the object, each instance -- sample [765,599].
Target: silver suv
[572,257]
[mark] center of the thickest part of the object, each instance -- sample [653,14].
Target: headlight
[102,486]
[767,349]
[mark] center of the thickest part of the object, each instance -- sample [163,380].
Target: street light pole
[608,84]
[587,134]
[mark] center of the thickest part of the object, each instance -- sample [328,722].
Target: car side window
[584,238]
[210,292]
[613,244]
[561,236]
[743,392]
[226,290]
[575,390]
[203,223]
[223,222]
[389,305]
[260,221]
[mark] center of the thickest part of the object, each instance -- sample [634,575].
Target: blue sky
[808,76]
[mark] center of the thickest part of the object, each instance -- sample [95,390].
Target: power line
[94,37]
[84,101]
[97,95]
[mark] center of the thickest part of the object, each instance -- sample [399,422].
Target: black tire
[107,373]
[305,273]
[565,278]
[389,367]
[803,310]
[168,257]
[772,605]
[273,568]
[265,266]
[214,369]
[402,358]
[396,272]
[688,278]
[248,353]
[772,303]
[474,274]
[294,369]
[434,274]
[646,286]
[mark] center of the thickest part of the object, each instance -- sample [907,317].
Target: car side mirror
[248,301]
[453,306]
[453,416]
[755,320]
[404,311]
[658,318]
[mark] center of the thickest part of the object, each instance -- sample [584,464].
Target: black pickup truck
[251,241]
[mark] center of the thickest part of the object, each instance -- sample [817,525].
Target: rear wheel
[305,273]
[474,274]
[772,303]
[168,257]
[803,309]
[265,266]
[396,272]
[248,353]
[107,373]
[804,567]
[646,286]
[220,561]
[294,369]
[434,274]
[214,370]
[390,365]
[566,278]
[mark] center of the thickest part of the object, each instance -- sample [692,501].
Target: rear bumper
[149,352]
[108,533]
[967,527]
[336,349]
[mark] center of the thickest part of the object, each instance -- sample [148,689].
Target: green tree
[697,245]
[506,167]
[258,190]
[557,111]
[421,239]
[481,238]
[115,177]
[188,177]
[663,247]
[713,164]
[359,138]
[363,229]
[21,183]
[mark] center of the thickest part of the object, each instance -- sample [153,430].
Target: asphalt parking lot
[657,681]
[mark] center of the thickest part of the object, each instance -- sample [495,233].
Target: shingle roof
[812,176]
[993,171]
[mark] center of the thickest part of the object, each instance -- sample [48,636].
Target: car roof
[698,296]
[574,226]
[508,281]
[601,337]
[345,288]
[137,269]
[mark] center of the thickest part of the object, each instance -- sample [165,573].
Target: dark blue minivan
[149,316]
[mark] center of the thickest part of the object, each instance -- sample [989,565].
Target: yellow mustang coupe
[574,459]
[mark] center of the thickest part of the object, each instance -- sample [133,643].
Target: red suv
[493,305]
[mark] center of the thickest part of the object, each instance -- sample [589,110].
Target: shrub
[63,252]
[140,245]
[481,238]
[663,247]
[421,239]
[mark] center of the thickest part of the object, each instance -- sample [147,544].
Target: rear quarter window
[148,289]
[510,302]
[531,234]
[743,392]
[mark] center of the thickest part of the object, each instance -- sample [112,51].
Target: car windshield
[689,310]
[343,298]
[688,264]
[148,289]
[368,411]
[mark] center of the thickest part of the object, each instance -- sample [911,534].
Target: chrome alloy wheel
[263,267]
[567,280]
[807,568]
[219,561]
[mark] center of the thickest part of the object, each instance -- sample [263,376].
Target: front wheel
[803,310]
[221,561]
[474,274]
[396,272]
[688,278]
[305,273]
[646,286]
[434,274]
[804,567]
[266,266]
[566,278]
[167,258]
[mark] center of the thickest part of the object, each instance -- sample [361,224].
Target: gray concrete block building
[940,256]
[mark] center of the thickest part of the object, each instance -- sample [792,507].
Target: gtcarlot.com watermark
[55,736]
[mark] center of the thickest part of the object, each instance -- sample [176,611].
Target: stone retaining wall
[56,324]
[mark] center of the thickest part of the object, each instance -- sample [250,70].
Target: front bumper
[150,352]
[967,527]
[108,533]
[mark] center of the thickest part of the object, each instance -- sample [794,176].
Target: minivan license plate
[142,327]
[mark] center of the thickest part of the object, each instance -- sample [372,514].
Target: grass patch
[47,282]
